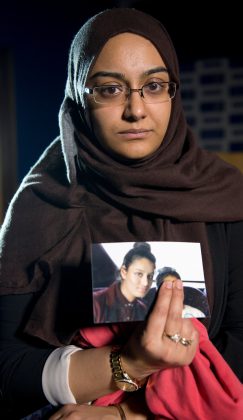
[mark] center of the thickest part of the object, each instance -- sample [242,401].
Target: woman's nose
[145,280]
[134,107]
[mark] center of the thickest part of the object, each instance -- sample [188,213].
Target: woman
[122,300]
[125,168]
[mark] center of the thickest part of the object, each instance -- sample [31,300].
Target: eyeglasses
[151,93]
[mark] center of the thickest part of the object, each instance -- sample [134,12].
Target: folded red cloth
[205,390]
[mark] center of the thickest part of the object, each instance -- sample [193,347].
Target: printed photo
[126,277]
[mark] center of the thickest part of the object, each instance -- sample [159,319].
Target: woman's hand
[86,412]
[134,407]
[149,349]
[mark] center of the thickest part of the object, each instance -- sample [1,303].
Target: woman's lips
[134,134]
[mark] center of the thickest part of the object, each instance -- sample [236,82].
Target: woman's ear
[123,272]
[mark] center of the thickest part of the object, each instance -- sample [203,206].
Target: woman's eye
[154,87]
[110,90]
[139,274]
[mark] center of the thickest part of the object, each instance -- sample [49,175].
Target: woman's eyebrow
[143,270]
[117,75]
[122,76]
[156,70]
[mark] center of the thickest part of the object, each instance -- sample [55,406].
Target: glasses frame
[128,91]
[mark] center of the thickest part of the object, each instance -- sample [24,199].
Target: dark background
[39,33]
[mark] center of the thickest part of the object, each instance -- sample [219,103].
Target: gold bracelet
[121,411]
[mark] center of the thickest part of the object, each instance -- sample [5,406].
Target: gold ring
[173,337]
[185,341]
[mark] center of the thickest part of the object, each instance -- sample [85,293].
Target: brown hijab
[77,193]
[180,180]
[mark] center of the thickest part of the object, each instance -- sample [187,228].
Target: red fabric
[207,389]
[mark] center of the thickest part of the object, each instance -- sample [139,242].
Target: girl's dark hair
[164,272]
[139,250]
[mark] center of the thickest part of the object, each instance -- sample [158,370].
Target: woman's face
[137,278]
[135,129]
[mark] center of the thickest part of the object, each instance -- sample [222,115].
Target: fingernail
[168,284]
[178,284]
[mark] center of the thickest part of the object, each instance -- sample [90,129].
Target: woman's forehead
[127,49]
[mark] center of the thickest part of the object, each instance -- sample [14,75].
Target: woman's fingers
[179,336]
[167,311]
[186,339]
[173,322]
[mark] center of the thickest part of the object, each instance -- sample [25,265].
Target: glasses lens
[157,92]
[109,94]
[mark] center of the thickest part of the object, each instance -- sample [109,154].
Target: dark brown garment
[111,306]
[77,194]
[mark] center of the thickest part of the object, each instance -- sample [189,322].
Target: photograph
[126,277]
